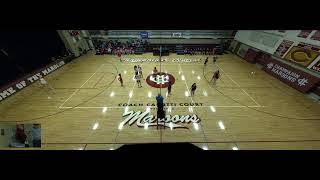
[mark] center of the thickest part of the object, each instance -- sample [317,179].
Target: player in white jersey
[138,78]
[44,84]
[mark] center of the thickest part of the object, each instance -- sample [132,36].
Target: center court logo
[160,80]
[145,118]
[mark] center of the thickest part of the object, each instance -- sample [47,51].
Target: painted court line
[238,85]
[81,86]
[121,107]
[204,135]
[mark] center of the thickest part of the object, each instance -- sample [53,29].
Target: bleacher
[139,51]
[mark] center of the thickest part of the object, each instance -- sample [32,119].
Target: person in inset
[120,80]
[193,89]
[206,61]
[36,134]
[169,88]
[20,135]
[138,78]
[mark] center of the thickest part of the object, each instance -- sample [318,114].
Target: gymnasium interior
[266,97]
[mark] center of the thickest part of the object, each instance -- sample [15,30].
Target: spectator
[20,134]
[36,134]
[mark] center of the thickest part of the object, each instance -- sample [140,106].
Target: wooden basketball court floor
[256,110]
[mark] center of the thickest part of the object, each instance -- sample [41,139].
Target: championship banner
[283,48]
[316,36]
[309,46]
[251,55]
[304,33]
[302,56]
[295,78]
[29,79]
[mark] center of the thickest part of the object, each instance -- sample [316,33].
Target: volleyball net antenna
[159,110]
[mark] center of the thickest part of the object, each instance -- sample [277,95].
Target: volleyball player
[215,77]
[140,71]
[193,89]
[120,80]
[135,68]
[119,54]
[138,78]
[154,72]
[206,61]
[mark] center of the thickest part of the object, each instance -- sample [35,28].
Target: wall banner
[301,56]
[13,88]
[283,48]
[304,33]
[295,78]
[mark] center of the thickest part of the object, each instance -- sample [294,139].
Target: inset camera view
[13,135]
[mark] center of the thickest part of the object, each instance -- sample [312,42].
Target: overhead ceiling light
[205,147]
[199,77]
[125,72]
[120,127]
[104,109]
[149,94]
[205,93]
[111,149]
[148,109]
[112,94]
[171,125]
[126,109]
[196,126]
[192,71]
[235,148]
[221,125]
[179,72]
[190,109]
[130,94]
[186,93]
[146,125]
[95,126]
[212,109]
[183,78]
